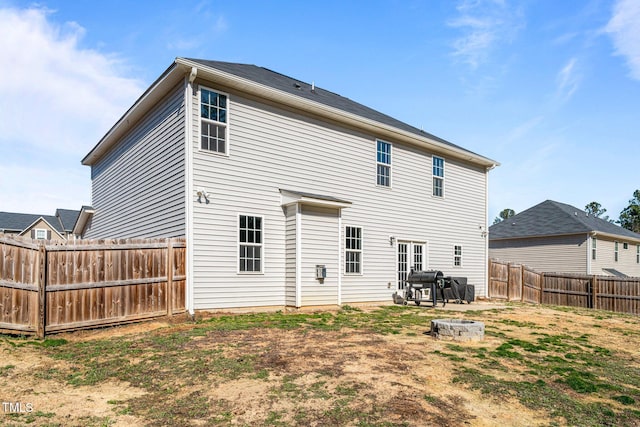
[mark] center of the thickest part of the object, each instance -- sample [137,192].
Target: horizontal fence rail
[515,282]
[47,287]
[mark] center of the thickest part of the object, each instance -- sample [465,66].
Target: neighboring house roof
[551,218]
[67,218]
[61,222]
[282,89]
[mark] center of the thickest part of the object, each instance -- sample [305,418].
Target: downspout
[589,247]
[188,172]
[339,256]
[485,232]
[298,255]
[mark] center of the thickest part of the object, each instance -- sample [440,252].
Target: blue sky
[550,89]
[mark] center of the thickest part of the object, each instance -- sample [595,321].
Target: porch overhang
[291,197]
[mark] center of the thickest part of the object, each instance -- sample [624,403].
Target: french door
[411,255]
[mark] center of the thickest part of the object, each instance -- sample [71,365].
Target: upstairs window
[40,234]
[438,176]
[594,245]
[615,251]
[457,256]
[383,163]
[213,121]
[637,254]
[250,244]
[353,250]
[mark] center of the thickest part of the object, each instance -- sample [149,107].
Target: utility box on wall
[321,272]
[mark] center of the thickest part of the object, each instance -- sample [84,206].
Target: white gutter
[188,177]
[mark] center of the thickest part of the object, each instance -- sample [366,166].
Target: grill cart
[424,286]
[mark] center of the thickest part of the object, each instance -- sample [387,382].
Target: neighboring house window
[625,245]
[213,115]
[438,176]
[457,256]
[250,242]
[637,254]
[41,234]
[383,163]
[353,250]
[593,247]
[615,251]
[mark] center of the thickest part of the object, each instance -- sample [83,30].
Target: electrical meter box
[321,272]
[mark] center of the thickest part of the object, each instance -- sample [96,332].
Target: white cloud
[568,81]
[57,99]
[484,24]
[624,29]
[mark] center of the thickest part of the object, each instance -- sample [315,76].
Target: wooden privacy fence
[515,282]
[51,287]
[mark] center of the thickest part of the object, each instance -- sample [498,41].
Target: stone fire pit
[457,329]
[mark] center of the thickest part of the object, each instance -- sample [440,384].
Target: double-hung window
[457,256]
[438,176]
[637,254]
[40,234]
[383,164]
[353,250]
[594,247]
[250,244]
[615,251]
[213,121]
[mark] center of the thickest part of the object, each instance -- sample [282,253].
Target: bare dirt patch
[357,367]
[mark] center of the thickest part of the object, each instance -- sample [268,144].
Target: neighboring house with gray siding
[269,177]
[556,237]
[40,227]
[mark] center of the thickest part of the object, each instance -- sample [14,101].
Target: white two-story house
[288,194]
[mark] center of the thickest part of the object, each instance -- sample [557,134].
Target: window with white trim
[383,163]
[250,244]
[41,234]
[418,257]
[457,256]
[594,244]
[213,121]
[615,251]
[637,254]
[353,250]
[438,176]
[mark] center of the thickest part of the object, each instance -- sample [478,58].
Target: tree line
[629,217]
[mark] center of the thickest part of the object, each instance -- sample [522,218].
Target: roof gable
[67,218]
[278,88]
[551,218]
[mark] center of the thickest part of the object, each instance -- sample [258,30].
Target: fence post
[169,267]
[594,292]
[42,293]
[522,286]
[541,288]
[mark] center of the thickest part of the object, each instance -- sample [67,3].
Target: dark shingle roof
[68,218]
[19,221]
[299,88]
[551,218]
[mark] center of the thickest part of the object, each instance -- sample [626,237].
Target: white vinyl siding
[281,149]
[138,187]
[566,254]
[320,246]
